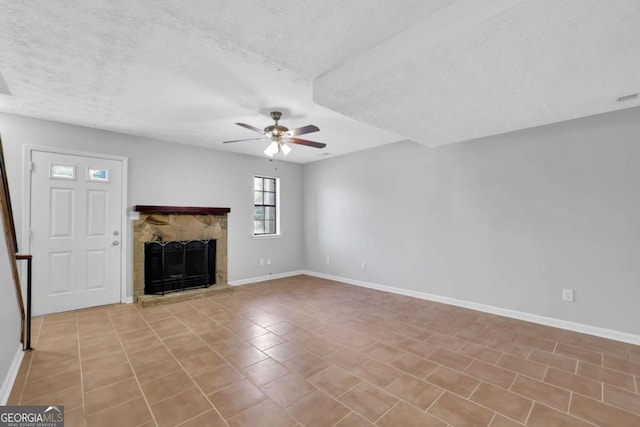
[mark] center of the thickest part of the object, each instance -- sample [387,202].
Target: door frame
[26,205]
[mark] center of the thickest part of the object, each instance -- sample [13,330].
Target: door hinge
[30,234]
[32,166]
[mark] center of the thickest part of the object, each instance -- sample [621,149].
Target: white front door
[76,228]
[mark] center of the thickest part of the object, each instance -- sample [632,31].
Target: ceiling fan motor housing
[276,130]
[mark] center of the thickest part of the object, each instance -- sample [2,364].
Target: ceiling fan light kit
[279,136]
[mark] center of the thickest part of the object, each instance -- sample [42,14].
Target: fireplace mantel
[186,210]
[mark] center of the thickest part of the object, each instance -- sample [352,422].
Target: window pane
[100,175]
[259,213]
[63,171]
[271,227]
[270,213]
[257,198]
[257,183]
[269,184]
[270,199]
[264,201]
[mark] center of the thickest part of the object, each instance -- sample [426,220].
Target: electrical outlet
[261,261]
[328,261]
[363,265]
[568,295]
[268,261]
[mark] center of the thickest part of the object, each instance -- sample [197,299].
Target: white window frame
[278,232]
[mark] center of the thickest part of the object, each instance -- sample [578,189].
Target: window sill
[267,236]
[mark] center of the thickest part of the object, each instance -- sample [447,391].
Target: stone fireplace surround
[175,223]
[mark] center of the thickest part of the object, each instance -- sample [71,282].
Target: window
[62,171]
[98,175]
[265,200]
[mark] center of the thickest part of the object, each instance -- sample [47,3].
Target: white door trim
[26,205]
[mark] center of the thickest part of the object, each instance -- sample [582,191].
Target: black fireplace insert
[179,265]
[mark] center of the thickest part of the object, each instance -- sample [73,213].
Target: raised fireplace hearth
[178,250]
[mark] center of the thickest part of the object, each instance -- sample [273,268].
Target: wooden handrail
[10,237]
[26,342]
[14,266]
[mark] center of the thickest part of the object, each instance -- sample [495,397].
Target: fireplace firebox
[179,265]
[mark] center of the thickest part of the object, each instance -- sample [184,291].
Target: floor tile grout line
[388,410]
[26,375]
[144,396]
[493,417]
[344,418]
[435,400]
[193,418]
[526,419]
[336,399]
[182,366]
[341,345]
[84,417]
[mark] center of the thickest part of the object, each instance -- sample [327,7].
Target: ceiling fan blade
[303,130]
[307,142]
[250,139]
[253,128]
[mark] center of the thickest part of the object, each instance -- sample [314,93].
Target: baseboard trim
[265,278]
[529,317]
[10,378]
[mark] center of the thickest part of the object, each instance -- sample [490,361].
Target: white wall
[162,173]
[506,221]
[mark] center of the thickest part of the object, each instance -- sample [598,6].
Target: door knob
[116,243]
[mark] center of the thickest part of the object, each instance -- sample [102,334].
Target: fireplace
[176,249]
[178,266]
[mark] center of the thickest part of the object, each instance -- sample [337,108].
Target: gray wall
[506,221]
[9,315]
[162,173]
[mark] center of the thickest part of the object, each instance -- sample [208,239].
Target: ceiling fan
[280,136]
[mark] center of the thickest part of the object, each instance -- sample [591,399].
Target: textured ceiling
[367,72]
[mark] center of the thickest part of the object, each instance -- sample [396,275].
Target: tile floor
[307,351]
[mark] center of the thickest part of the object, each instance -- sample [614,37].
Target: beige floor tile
[369,401]
[287,390]
[264,371]
[547,394]
[217,378]
[457,411]
[264,414]
[334,380]
[543,416]
[111,395]
[180,407]
[377,373]
[48,385]
[414,391]
[318,409]
[408,416]
[353,420]
[499,400]
[210,418]
[128,414]
[453,381]
[236,397]
[106,376]
[166,386]
[323,353]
